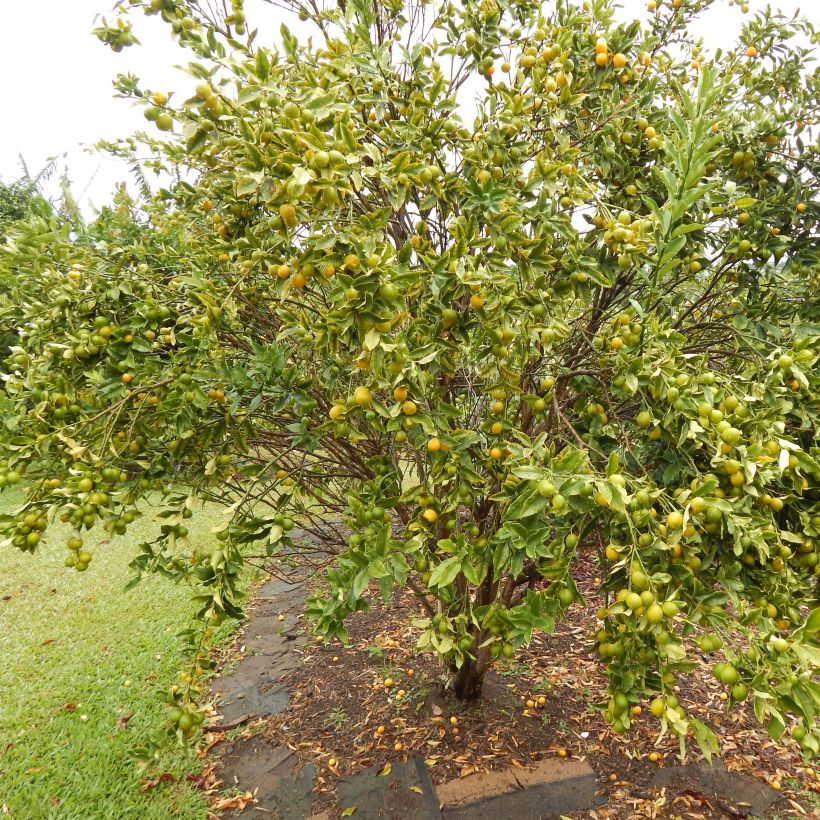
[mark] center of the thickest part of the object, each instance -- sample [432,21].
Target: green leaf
[812,625]
[776,725]
[527,503]
[705,738]
[671,250]
[262,64]
[612,464]
[445,573]
[804,700]
[247,185]
[684,229]
[745,202]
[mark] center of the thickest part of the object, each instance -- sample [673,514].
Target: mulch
[343,718]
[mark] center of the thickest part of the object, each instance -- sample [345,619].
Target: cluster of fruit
[27,529]
[77,557]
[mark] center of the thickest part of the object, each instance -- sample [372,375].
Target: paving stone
[550,789]
[739,793]
[406,793]
[252,688]
[245,762]
[276,596]
[267,635]
[256,765]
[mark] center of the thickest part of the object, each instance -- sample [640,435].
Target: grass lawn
[77,654]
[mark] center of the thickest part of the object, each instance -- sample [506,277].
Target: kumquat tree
[458,297]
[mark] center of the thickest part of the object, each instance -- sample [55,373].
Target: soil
[342,719]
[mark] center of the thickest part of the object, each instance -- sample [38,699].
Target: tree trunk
[466,681]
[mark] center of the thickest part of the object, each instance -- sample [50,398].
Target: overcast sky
[58,96]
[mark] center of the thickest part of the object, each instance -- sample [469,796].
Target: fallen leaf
[417,789]
[165,777]
[122,723]
[204,780]
[240,802]
[47,642]
[386,770]
[348,811]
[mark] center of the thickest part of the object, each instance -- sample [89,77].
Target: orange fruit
[288,214]
[362,396]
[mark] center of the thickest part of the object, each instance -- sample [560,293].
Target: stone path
[738,794]
[550,789]
[406,792]
[283,790]
[253,688]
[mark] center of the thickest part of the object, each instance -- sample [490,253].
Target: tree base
[466,682]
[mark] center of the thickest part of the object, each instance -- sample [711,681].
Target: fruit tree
[475,295]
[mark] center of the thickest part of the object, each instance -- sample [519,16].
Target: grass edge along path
[83,665]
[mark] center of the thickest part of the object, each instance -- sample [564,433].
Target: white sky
[58,96]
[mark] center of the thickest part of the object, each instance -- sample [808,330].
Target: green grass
[76,655]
